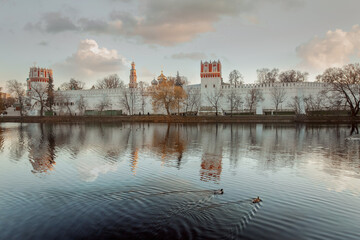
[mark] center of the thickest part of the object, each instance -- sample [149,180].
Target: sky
[91,39]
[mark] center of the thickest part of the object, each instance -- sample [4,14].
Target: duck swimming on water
[256,200]
[220,191]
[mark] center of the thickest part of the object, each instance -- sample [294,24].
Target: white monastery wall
[211,84]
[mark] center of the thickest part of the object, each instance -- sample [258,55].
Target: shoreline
[182,119]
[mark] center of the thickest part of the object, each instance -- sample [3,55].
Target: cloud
[145,74]
[171,22]
[191,56]
[333,50]
[43,43]
[90,59]
[52,22]
[160,22]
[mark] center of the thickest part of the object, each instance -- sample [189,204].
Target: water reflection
[272,146]
[354,129]
[156,181]
[211,160]
[170,143]
[41,146]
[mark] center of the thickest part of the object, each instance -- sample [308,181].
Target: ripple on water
[171,210]
[113,183]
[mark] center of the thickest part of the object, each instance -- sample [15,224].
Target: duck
[220,191]
[256,200]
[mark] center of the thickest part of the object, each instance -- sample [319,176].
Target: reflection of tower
[211,161]
[133,76]
[134,160]
[210,167]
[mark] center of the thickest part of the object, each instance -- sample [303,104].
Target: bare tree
[81,104]
[112,81]
[315,103]
[278,96]
[59,102]
[265,75]
[64,101]
[73,84]
[18,91]
[192,100]
[236,78]
[293,76]
[344,83]
[128,99]
[253,97]
[295,104]
[234,99]
[143,94]
[39,95]
[214,98]
[103,104]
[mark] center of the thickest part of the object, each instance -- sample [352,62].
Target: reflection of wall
[270,147]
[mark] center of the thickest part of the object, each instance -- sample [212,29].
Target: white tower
[133,77]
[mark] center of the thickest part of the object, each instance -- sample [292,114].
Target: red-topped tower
[133,77]
[38,76]
[211,81]
[210,69]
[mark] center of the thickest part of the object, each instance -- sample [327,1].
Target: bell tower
[133,77]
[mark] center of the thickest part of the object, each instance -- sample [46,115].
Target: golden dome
[161,77]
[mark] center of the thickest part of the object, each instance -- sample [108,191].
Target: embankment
[183,119]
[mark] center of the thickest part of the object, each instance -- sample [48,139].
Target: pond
[157,181]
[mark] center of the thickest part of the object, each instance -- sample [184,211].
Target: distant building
[133,77]
[37,76]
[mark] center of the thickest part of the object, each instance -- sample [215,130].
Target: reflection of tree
[354,129]
[42,149]
[1,139]
[18,146]
[269,147]
[234,144]
[171,144]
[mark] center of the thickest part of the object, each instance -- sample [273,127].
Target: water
[157,181]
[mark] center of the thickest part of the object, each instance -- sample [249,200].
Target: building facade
[138,97]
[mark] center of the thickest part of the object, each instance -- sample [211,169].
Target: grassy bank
[182,119]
